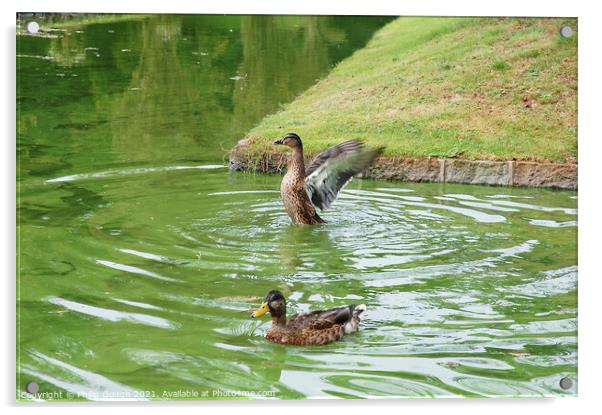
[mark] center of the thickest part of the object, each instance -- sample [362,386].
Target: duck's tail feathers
[352,325]
[359,310]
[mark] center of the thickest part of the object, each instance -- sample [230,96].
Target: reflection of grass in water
[260,94]
[73,20]
[67,51]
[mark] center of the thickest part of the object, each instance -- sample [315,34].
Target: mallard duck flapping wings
[316,327]
[317,186]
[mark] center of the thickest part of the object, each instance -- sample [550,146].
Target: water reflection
[306,247]
[264,52]
[68,50]
[160,87]
[170,88]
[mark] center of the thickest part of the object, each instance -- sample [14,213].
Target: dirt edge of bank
[452,170]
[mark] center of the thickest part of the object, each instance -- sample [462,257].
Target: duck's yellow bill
[261,311]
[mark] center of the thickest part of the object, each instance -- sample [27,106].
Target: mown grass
[476,88]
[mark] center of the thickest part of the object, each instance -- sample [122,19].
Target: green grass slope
[475,88]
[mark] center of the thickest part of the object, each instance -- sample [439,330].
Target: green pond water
[140,256]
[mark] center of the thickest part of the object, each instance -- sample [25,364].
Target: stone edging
[505,173]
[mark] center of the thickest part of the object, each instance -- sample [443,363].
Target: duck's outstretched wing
[333,168]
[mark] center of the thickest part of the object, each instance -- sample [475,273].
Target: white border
[374,7]
[590,95]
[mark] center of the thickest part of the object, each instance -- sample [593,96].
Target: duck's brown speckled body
[317,327]
[303,190]
[294,196]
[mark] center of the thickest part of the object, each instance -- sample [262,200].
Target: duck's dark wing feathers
[321,319]
[333,168]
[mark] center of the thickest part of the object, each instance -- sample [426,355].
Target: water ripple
[80,382]
[112,315]
[133,270]
[129,172]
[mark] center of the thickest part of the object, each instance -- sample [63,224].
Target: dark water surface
[141,256]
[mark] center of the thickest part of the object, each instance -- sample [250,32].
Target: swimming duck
[316,327]
[304,189]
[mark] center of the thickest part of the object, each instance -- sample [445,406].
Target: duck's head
[274,303]
[291,140]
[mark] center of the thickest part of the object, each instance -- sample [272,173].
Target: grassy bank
[473,88]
